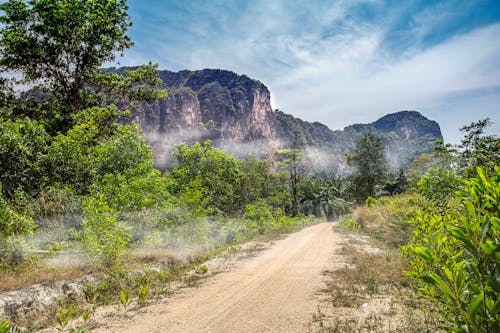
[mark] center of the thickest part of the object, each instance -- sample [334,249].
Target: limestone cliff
[234,111]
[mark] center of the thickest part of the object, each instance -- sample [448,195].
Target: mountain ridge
[234,110]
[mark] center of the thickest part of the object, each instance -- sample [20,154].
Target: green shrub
[455,258]
[22,147]
[370,201]
[11,221]
[260,214]
[387,218]
[437,185]
[103,236]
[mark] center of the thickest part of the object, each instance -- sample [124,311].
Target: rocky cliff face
[211,104]
[234,111]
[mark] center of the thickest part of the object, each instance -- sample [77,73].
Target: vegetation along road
[275,291]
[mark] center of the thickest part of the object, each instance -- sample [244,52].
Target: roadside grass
[371,293]
[385,219]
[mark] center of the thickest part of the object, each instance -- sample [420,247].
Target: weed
[65,316]
[143,294]
[202,269]
[373,276]
[345,298]
[124,299]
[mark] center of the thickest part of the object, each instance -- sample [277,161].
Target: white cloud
[340,95]
[323,64]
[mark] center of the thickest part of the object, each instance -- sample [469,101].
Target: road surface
[274,291]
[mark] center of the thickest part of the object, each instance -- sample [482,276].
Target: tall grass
[387,218]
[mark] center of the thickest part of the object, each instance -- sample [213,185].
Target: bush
[208,175]
[97,146]
[22,147]
[260,213]
[103,236]
[455,258]
[11,221]
[437,185]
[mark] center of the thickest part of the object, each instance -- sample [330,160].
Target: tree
[326,197]
[371,166]
[23,143]
[61,44]
[478,150]
[205,177]
[293,160]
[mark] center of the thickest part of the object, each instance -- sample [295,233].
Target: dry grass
[371,294]
[26,275]
[388,218]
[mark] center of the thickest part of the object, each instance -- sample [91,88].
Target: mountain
[234,111]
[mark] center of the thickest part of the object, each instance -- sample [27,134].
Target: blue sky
[338,62]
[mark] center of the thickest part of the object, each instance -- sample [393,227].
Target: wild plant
[144,294]
[65,316]
[124,299]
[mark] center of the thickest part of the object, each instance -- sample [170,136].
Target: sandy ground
[274,291]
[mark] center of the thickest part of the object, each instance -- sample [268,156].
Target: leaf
[475,303]
[423,253]
[441,284]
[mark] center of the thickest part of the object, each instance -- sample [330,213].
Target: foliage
[104,237]
[260,213]
[294,162]
[371,166]
[128,194]
[456,257]
[13,222]
[478,149]
[256,180]
[205,173]
[386,218]
[97,145]
[62,43]
[22,146]
[395,183]
[143,294]
[132,86]
[328,197]
[65,316]
[437,185]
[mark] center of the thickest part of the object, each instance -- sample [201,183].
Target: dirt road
[275,291]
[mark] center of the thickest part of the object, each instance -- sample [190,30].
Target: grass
[371,293]
[30,273]
[386,219]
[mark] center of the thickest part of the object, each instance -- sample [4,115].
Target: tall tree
[371,166]
[477,149]
[61,44]
[293,160]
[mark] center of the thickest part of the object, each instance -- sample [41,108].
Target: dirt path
[276,291]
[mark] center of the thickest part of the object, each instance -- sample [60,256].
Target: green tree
[294,162]
[207,175]
[370,165]
[23,144]
[326,197]
[62,43]
[256,180]
[477,149]
[97,145]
